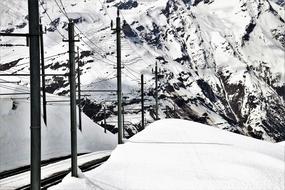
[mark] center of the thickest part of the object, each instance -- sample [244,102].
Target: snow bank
[281,143]
[15,133]
[6,106]
[80,183]
[176,154]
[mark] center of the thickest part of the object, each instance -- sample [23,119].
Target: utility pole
[156,91]
[43,74]
[79,91]
[119,77]
[73,127]
[123,117]
[105,130]
[142,100]
[35,93]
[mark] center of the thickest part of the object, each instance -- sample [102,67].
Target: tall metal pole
[72,99]
[105,130]
[123,118]
[142,100]
[119,78]
[35,82]
[79,91]
[43,75]
[156,92]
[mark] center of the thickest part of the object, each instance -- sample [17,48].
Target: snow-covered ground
[15,131]
[222,63]
[177,154]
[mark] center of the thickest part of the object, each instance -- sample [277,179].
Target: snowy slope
[15,132]
[221,62]
[187,155]
[279,2]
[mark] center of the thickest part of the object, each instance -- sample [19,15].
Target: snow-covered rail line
[54,173]
[26,168]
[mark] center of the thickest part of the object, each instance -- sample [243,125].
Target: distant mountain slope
[221,62]
[279,2]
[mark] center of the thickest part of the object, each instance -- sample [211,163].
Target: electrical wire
[19,71]
[8,87]
[94,51]
[85,36]
[46,12]
[131,77]
[63,10]
[134,48]
[104,80]
[49,17]
[105,8]
[128,68]
[98,59]
[46,58]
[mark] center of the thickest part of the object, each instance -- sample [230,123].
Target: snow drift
[177,154]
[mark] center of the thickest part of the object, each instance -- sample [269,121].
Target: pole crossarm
[58,100]
[27,75]
[85,95]
[70,41]
[15,34]
[133,109]
[26,35]
[11,94]
[13,82]
[98,91]
[20,98]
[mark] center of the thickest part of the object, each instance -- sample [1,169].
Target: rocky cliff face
[221,62]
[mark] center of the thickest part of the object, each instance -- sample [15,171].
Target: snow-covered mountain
[221,62]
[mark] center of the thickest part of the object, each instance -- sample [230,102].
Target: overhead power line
[49,17]
[63,10]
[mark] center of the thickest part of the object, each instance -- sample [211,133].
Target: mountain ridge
[222,63]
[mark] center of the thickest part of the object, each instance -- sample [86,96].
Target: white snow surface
[177,154]
[15,131]
[281,143]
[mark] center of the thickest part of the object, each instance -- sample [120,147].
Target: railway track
[23,169]
[57,177]
[52,172]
